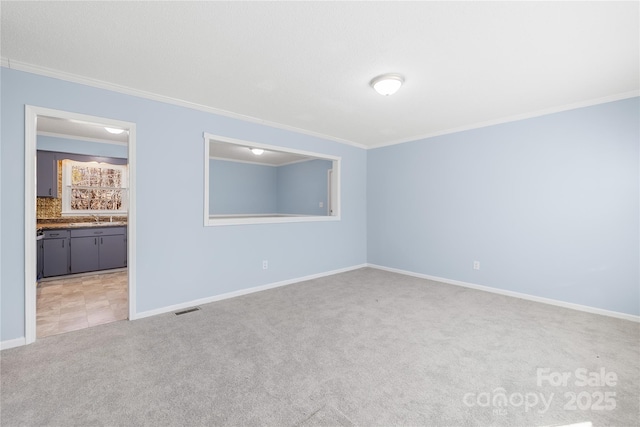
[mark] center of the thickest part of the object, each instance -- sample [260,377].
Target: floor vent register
[189,310]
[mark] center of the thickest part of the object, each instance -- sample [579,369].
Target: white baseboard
[21,341]
[550,301]
[17,342]
[241,292]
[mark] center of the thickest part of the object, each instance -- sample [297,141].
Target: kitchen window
[91,188]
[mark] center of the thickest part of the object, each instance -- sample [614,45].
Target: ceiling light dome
[257,151]
[387,84]
[114,131]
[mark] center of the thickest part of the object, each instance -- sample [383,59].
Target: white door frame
[30,139]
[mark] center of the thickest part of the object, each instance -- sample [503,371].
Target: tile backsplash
[48,208]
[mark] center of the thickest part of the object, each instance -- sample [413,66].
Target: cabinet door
[56,257]
[47,174]
[84,254]
[113,252]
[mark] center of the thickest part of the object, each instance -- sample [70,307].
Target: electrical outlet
[265,264]
[321,204]
[476,265]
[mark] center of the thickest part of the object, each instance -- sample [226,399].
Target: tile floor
[73,303]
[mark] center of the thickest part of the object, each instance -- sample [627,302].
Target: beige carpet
[364,348]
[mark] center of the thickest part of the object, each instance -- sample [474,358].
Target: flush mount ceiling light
[114,131]
[257,151]
[387,84]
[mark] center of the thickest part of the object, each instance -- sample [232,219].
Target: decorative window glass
[91,188]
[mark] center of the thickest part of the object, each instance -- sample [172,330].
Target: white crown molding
[225,159]
[81,138]
[515,118]
[87,81]
[528,297]
[260,163]
[74,78]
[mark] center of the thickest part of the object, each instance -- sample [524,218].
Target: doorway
[99,286]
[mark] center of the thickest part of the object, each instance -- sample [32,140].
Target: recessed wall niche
[248,183]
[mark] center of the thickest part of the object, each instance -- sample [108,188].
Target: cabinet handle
[98,232]
[54,234]
[63,243]
[101,240]
[95,241]
[49,191]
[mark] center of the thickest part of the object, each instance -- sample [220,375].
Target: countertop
[65,225]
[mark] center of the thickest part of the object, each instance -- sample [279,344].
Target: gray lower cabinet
[55,253]
[81,250]
[95,249]
[85,254]
[113,252]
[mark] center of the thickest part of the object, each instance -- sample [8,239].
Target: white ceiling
[307,65]
[55,126]
[227,151]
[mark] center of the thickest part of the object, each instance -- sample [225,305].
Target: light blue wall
[302,186]
[67,145]
[548,205]
[244,188]
[241,188]
[178,259]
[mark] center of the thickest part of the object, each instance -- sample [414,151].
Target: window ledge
[217,220]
